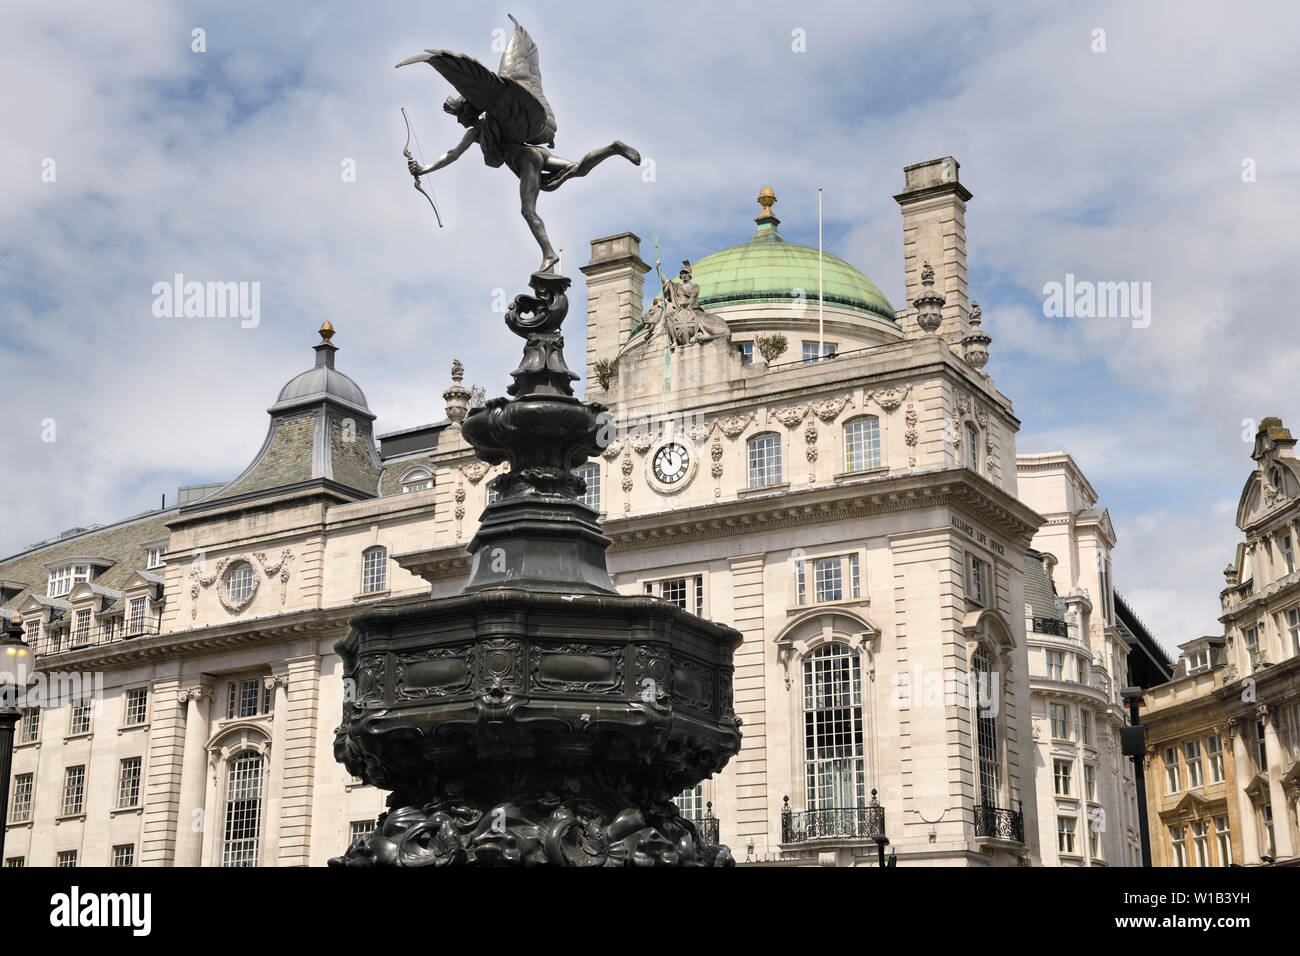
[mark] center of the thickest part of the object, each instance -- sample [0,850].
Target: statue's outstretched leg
[529,182]
[558,170]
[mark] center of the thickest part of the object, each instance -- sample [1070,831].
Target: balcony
[1050,625]
[997,823]
[74,639]
[862,823]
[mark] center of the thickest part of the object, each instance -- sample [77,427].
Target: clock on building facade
[670,466]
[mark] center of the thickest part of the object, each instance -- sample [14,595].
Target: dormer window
[416,479]
[155,558]
[1198,661]
[62,580]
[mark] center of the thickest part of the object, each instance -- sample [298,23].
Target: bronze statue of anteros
[506,113]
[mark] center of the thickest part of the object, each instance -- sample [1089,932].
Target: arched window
[862,443]
[374,569]
[243,815]
[834,774]
[764,460]
[986,700]
[972,448]
[416,479]
[590,472]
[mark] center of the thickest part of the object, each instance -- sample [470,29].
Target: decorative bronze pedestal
[539,717]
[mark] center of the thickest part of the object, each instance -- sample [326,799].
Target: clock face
[671,463]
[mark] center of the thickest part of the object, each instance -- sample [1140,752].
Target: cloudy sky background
[225,165]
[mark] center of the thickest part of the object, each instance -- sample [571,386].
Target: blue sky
[1122,165]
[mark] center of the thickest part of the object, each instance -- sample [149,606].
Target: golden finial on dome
[326,331]
[766,199]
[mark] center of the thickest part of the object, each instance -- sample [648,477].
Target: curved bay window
[243,812]
[834,771]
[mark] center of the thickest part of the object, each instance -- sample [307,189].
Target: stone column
[1245,808]
[163,774]
[196,699]
[615,279]
[279,682]
[1283,842]
[299,697]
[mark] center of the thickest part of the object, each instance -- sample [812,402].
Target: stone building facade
[1223,738]
[850,504]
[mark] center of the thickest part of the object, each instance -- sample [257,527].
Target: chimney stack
[933,201]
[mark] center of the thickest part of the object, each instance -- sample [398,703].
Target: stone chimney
[615,278]
[933,201]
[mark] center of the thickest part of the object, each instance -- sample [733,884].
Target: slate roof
[1040,592]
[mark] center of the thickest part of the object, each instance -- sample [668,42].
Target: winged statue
[507,115]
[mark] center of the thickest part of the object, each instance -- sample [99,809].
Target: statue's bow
[406,151]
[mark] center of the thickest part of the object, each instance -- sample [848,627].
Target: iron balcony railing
[798,826]
[70,638]
[1000,823]
[1050,625]
[707,825]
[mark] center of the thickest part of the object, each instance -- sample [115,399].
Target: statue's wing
[521,64]
[522,117]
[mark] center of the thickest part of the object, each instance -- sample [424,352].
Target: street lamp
[1134,744]
[13,652]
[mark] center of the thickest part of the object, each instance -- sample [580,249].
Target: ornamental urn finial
[457,396]
[929,303]
[976,342]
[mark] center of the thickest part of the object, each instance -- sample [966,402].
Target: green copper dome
[769,269]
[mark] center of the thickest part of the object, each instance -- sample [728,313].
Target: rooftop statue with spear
[507,115]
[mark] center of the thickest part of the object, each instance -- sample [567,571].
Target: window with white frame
[1061,772]
[978,581]
[1055,665]
[1065,834]
[416,479]
[135,623]
[1293,628]
[1085,726]
[493,494]
[690,803]
[15,862]
[764,460]
[686,593]
[154,558]
[74,789]
[746,350]
[1094,839]
[1198,661]
[828,580]
[360,829]
[1214,757]
[124,854]
[1090,781]
[30,727]
[834,579]
[1252,640]
[1261,748]
[1059,717]
[239,581]
[20,804]
[1178,839]
[66,860]
[972,448]
[247,698]
[1201,842]
[80,721]
[812,351]
[862,443]
[81,626]
[1223,837]
[128,783]
[988,750]
[834,771]
[1270,845]
[590,473]
[136,710]
[1173,778]
[64,579]
[1288,553]
[374,569]
[1192,757]
[243,812]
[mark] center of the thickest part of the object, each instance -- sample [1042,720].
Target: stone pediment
[1257,789]
[1193,806]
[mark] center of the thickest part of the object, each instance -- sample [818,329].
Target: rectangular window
[800,583]
[1224,839]
[977,581]
[63,580]
[1261,749]
[14,862]
[20,804]
[1085,727]
[1288,553]
[124,854]
[250,694]
[1214,756]
[1055,665]
[746,350]
[1090,781]
[1293,628]
[1060,718]
[74,789]
[135,622]
[67,859]
[1192,756]
[674,592]
[137,706]
[1065,834]
[590,473]
[81,627]
[1252,640]
[972,449]
[1061,770]
[30,729]
[154,558]
[1094,840]
[80,723]
[812,351]
[1173,781]
[764,460]
[1201,842]
[1198,661]
[1178,839]
[855,577]
[828,582]
[359,829]
[690,803]
[128,783]
[374,570]
[862,444]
